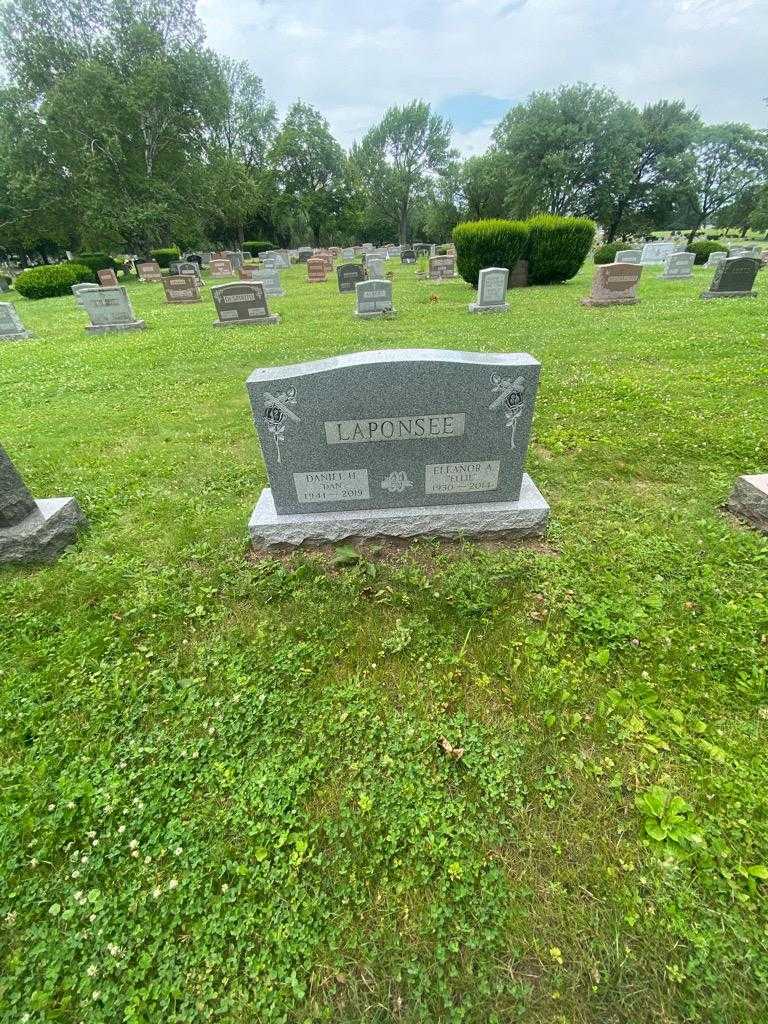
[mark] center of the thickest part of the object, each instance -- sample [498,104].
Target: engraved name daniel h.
[396,428]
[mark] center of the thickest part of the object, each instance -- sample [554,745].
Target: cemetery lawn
[223,794]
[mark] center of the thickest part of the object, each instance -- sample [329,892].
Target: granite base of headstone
[491,291]
[400,443]
[733,279]
[749,501]
[11,327]
[613,284]
[242,305]
[33,531]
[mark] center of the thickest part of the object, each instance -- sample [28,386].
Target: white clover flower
[225,887]
[120,830]
[134,853]
[113,949]
[178,851]
[51,807]
[34,862]
[71,805]
[95,995]
[173,884]
[133,844]
[156,892]
[92,971]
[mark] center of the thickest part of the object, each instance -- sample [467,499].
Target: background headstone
[491,291]
[305,253]
[716,258]
[77,288]
[518,277]
[316,269]
[221,267]
[33,531]
[149,272]
[733,279]
[678,265]
[270,281]
[655,252]
[749,500]
[348,274]
[373,298]
[109,309]
[399,443]
[11,327]
[243,303]
[107,278]
[442,268]
[407,256]
[374,268]
[627,256]
[181,289]
[613,284]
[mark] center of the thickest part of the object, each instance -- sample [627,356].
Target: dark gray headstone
[304,253]
[407,256]
[182,289]
[373,298]
[518,276]
[348,275]
[749,500]
[16,501]
[733,278]
[243,303]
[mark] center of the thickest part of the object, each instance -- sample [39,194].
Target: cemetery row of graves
[272,749]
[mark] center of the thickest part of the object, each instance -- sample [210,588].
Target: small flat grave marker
[373,298]
[400,443]
[149,272]
[733,279]
[107,278]
[242,304]
[109,309]
[348,275]
[613,284]
[491,291]
[181,289]
[11,327]
[679,266]
[316,269]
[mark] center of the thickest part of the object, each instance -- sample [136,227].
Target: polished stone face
[16,501]
[492,286]
[735,274]
[395,429]
[679,264]
[107,307]
[348,275]
[373,296]
[240,303]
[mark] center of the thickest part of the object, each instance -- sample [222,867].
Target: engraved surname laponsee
[396,428]
[332,485]
[461,477]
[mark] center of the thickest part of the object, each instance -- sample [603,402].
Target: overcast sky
[473,59]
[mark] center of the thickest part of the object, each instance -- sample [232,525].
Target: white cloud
[353,62]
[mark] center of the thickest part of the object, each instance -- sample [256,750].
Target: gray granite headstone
[11,327]
[656,252]
[613,284]
[374,268]
[396,443]
[33,531]
[627,256]
[348,274]
[491,291]
[678,265]
[347,254]
[716,258]
[373,298]
[78,288]
[733,279]
[268,277]
[4,286]
[749,500]
[243,303]
[109,309]
[305,253]
[188,268]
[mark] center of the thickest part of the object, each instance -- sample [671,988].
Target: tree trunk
[403,227]
[694,229]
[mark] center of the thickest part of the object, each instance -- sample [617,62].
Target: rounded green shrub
[47,282]
[703,250]
[164,257]
[557,247]
[488,243]
[255,246]
[607,253]
[97,261]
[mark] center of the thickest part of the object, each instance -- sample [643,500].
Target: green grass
[223,791]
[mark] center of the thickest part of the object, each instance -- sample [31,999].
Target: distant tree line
[121,129]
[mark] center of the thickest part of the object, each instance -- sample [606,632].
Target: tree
[309,166]
[400,158]
[724,162]
[651,168]
[484,185]
[560,147]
